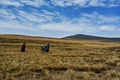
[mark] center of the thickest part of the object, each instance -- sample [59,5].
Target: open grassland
[67,59]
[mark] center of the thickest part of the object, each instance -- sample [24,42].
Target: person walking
[23,47]
[47,47]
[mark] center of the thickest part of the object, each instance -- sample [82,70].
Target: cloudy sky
[60,18]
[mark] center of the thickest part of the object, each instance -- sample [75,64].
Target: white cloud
[62,3]
[47,21]
[108,28]
[24,20]
[36,17]
[47,12]
[101,19]
[59,27]
[35,3]
[31,17]
[67,27]
[53,21]
[80,2]
[86,3]
[97,3]
[9,2]
[14,25]
[90,23]
[7,14]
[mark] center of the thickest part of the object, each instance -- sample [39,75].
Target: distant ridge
[89,37]
[20,35]
[72,37]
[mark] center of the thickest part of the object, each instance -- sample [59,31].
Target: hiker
[23,47]
[46,48]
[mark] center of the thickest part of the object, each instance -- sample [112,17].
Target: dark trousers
[23,49]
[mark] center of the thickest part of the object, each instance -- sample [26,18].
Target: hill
[89,37]
[66,60]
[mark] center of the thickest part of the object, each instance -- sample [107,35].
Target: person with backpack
[46,48]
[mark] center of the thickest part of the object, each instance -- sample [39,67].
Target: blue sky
[60,18]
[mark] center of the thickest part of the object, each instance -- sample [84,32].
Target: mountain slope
[89,37]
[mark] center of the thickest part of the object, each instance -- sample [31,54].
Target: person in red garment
[23,47]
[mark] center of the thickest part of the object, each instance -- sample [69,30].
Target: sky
[60,18]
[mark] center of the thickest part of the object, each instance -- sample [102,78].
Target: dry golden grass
[67,59]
